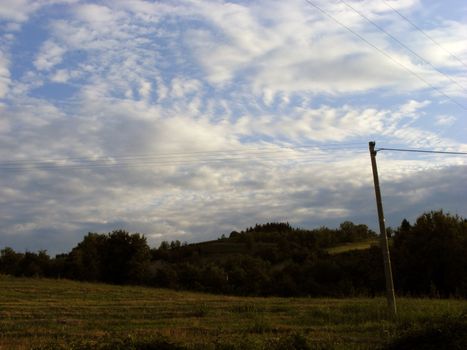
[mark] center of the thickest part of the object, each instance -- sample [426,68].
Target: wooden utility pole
[390,295]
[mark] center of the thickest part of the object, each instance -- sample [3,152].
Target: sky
[186,120]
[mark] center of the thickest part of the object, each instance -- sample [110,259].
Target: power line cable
[158,161]
[381,29]
[138,163]
[429,37]
[186,155]
[384,53]
[135,158]
[163,164]
[420,151]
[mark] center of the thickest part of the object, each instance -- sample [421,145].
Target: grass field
[41,313]
[352,246]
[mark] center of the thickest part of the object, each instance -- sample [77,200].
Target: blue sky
[189,119]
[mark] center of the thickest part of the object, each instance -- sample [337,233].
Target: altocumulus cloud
[185,120]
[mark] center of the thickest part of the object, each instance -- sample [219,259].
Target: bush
[446,333]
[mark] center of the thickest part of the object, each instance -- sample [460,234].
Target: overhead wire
[420,151]
[284,154]
[384,53]
[174,159]
[231,151]
[429,37]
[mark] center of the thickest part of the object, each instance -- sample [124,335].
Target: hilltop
[274,259]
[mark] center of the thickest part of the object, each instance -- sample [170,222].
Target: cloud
[93,13]
[449,49]
[145,89]
[340,124]
[18,10]
[4,75]
[412,107]
[424,191]
[181,87]
[49,55]
[445,120]
[201,202]
[292,54]
[192,119]
[61,76]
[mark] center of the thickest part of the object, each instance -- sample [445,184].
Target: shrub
[446,333]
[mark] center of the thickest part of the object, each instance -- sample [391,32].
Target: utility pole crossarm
[390,294]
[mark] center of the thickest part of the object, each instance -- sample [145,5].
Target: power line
[249,151]
[174,159]
[420,151]
[296,159]
[52,166]
[381,29]
[425,34]
[382,52]
[192,154]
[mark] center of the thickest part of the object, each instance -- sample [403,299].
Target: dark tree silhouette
[430,256]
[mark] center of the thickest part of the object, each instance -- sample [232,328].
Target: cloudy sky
[189,119]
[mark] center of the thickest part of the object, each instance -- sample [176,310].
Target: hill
[274,259]
[274,242]
[347,247]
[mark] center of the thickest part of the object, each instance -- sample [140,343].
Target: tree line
[429,259]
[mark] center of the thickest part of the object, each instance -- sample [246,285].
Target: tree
[352,233]
[175,244]
[10,261]
[118,257]
[164,245]
[34,264]
[126,258]
[85,260]
[430,256]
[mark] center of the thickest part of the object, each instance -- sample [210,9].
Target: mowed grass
[352,246]
[42,312]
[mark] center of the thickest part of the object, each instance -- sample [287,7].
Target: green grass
[49,314]
[352,246]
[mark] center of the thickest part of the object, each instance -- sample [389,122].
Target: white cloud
[49,55]
[152,12]
[94,13]
[412,107]
[162,89]
[78,35]
[445,120]
[450,47]
[145,89]
[60,76]
[170,186]
[18,10]
[181,87]
[173,90]
[324,124]
[4,75]
[289,53]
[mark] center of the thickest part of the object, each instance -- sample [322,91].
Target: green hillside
[346,247]
[281,239]
[221,248]
[274,259]
[54,314]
